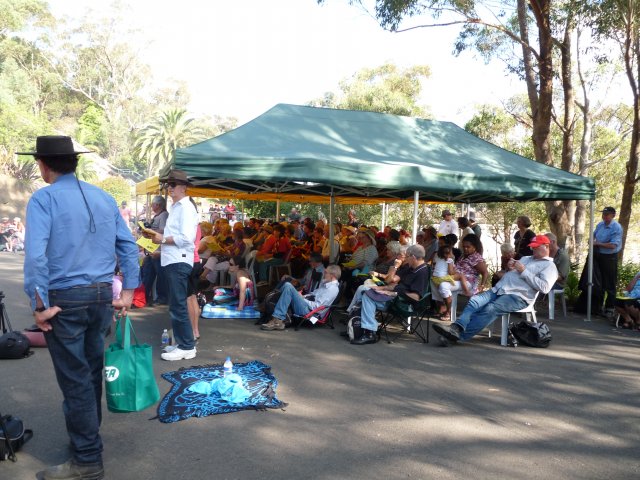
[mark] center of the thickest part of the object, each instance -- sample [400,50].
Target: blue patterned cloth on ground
[228,311]
[181,403]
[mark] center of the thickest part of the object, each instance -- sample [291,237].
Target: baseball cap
[539,240]
[609,210]
[445,213]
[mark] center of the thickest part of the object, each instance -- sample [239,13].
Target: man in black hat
[176,258]
[607,241]
[75,235]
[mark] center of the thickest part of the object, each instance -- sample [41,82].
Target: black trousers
[608,265]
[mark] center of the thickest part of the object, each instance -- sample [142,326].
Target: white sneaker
[179,354]
[169,348]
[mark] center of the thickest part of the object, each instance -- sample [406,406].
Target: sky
[241,57]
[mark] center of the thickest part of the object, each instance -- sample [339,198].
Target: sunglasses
[171,184]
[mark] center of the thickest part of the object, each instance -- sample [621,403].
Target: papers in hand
[147,244]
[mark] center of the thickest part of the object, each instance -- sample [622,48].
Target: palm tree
[21,167]
[156,142]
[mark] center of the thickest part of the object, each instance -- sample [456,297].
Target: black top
[521,245]
[414,281]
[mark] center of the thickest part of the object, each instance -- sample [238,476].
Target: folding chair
[409,314]
[404,309]
[321,315]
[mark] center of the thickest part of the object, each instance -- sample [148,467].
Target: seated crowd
[371,267]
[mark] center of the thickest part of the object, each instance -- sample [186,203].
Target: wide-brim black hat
[53,146]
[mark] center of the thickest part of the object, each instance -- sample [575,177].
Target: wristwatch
[164,240]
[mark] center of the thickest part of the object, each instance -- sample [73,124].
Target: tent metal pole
[590,261]
[414,230]
[277,210]
[384,216]
[332,204]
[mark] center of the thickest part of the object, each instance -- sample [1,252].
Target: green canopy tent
[308,150]
[320,151]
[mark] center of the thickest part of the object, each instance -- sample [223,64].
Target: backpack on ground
[13,436]
[354,327]
[533,334]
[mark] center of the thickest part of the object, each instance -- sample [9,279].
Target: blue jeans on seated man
[368,313]
[177,275]
[290,298]
[483,309]
[76,345]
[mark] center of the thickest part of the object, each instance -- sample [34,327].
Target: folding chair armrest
[321,308]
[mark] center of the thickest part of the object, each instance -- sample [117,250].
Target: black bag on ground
[13,436]
[269,302]
[533,334]
[12,344]
[354,327]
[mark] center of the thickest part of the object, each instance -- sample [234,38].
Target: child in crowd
[444,269]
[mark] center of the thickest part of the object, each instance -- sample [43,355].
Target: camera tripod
[5,324]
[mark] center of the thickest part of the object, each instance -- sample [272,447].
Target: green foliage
[117,187]
[384,89]
[156,143]
[91,129]
[571,290]
[626,272]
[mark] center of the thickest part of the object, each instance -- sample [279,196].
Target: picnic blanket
[228,311]
[181,402]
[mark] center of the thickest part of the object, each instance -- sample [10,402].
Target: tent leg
[384,217]
[414,230]
[277,210]
[590,260]
[332,205]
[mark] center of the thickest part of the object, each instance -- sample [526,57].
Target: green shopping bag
[129,381]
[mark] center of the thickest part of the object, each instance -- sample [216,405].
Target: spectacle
[170,184]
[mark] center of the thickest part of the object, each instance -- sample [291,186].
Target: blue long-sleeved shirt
[611,233]
[60,250]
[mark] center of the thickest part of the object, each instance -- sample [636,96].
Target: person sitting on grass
[324,295]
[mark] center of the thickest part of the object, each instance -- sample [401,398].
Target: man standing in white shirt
[176,258]
[448,225]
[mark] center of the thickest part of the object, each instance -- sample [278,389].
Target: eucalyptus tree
[384,89]
[535,39]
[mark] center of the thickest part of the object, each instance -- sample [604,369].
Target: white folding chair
[529,310]
[552,303]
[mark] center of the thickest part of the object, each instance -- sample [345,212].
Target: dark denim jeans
[162,289]
[177,275]
[76,345]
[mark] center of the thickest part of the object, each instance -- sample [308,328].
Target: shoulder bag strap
[7,440]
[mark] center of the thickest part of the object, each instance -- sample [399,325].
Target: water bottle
[166,340]
[228,367]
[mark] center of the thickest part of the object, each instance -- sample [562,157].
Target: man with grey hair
[414,281]
[323,296]
[560,259]
[152,270]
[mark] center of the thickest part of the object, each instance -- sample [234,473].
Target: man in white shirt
[448,225]
[516,290]
[176,258]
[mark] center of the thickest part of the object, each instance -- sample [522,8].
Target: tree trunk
[632,67]
[631,177]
